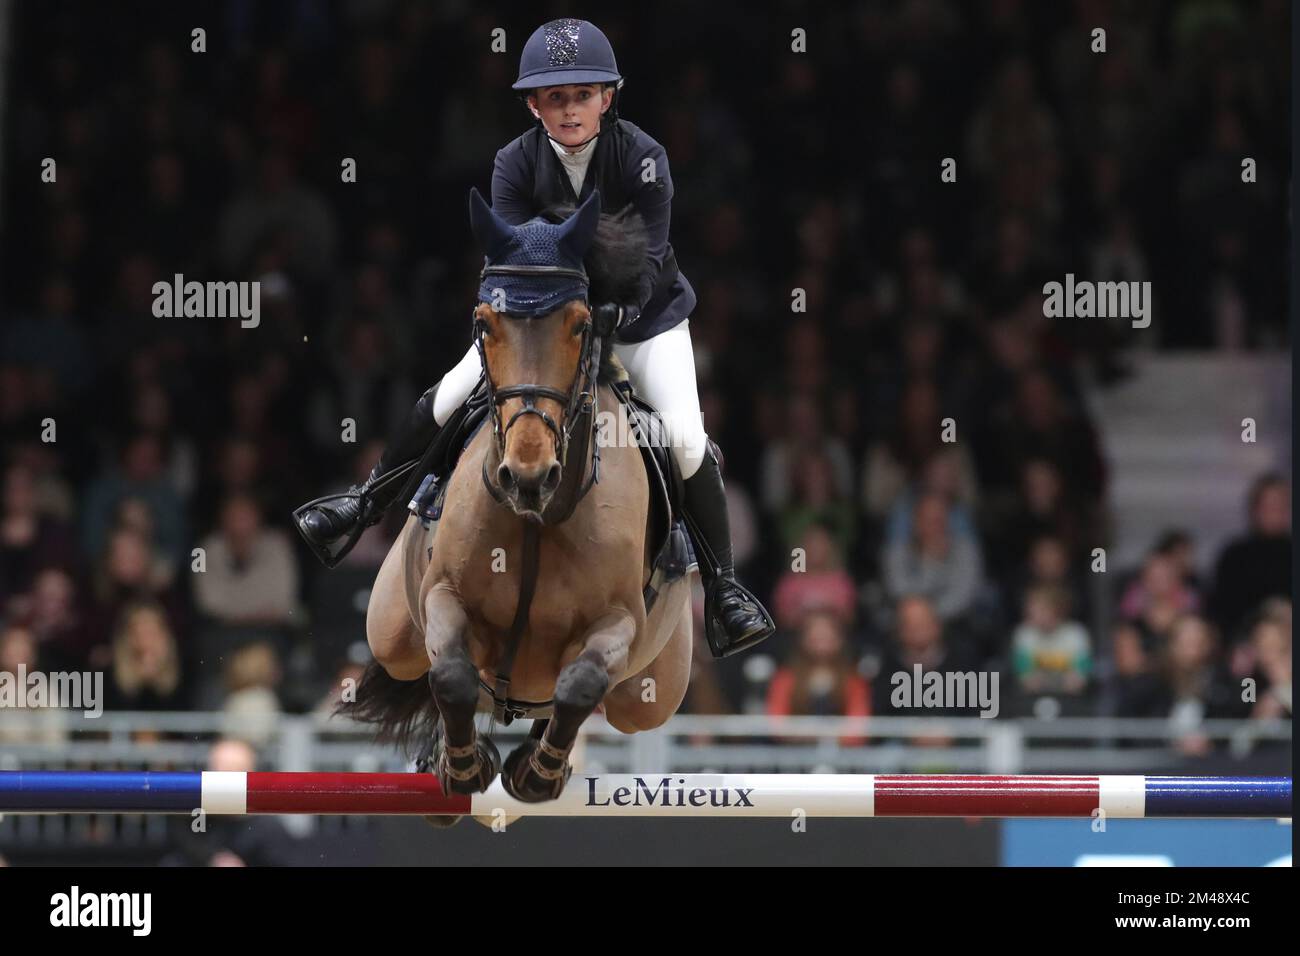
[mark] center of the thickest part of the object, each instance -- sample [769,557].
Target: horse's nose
[533,486]
[552,479]
[505,477]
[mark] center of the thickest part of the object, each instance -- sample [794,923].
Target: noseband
[578,402]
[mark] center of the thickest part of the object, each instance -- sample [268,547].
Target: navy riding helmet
[567,51]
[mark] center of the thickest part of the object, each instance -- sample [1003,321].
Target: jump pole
[651,795]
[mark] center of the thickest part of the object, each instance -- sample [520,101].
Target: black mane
[614,262]
[617,257]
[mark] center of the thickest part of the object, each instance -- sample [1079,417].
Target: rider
[569,81]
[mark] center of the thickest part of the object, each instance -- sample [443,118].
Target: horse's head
[534,332]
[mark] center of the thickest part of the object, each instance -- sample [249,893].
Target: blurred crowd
[130,440]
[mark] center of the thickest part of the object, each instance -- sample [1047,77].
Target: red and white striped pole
[653,795]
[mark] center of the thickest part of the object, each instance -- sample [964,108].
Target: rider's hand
[609,317]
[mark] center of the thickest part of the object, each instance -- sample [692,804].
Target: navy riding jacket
[528,177]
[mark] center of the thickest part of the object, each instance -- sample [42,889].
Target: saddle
[670,547]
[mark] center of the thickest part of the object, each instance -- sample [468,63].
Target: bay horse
[529,599]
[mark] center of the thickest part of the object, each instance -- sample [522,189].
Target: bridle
[578,402]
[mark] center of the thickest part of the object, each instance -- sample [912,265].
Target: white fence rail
[688,743]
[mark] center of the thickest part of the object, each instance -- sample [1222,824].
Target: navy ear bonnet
[533,269]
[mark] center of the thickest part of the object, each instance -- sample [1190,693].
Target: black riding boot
[734,619]
[332,525]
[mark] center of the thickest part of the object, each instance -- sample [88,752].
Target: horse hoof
[531,775]
[469,774]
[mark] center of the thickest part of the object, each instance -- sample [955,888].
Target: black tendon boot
[733,618]
[333,524]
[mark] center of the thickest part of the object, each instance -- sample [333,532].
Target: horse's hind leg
[393,637]
[647,699]
[538,768]
[463,762]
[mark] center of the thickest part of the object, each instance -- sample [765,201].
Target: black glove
[609,317]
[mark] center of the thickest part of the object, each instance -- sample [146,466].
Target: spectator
[20,656]
[252,708]
[60,624]
[29,539]
[279,206]
[1053,654]
[125,575]
[1180,548]
[933,563]
[899,460]
[18,649]
[819,678]
[141,475]
[1046,426]
[948,473]
[133,515]
[1196,686]
[151,411]
[365,386]
[1244,657]
[1043,508]
[1158,597]
[1137,690]
[1048,562]
[251,575]
[1270,647]
[1257,565]
[816,501]
[804,438]
[231,841]
[919,641]
[821,586]
[147,672]
[235,465]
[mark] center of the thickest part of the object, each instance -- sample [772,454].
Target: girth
[504,707]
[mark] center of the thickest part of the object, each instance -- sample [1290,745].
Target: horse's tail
[403,711]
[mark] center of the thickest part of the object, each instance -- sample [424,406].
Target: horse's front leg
[538,768]
[463,762]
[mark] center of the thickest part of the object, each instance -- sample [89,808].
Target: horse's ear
[491,231]
[579,231]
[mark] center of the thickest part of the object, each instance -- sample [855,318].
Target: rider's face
[571,114]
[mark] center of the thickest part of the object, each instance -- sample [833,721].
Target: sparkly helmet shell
[567,51]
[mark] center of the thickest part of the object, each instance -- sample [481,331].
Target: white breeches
[662,370]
